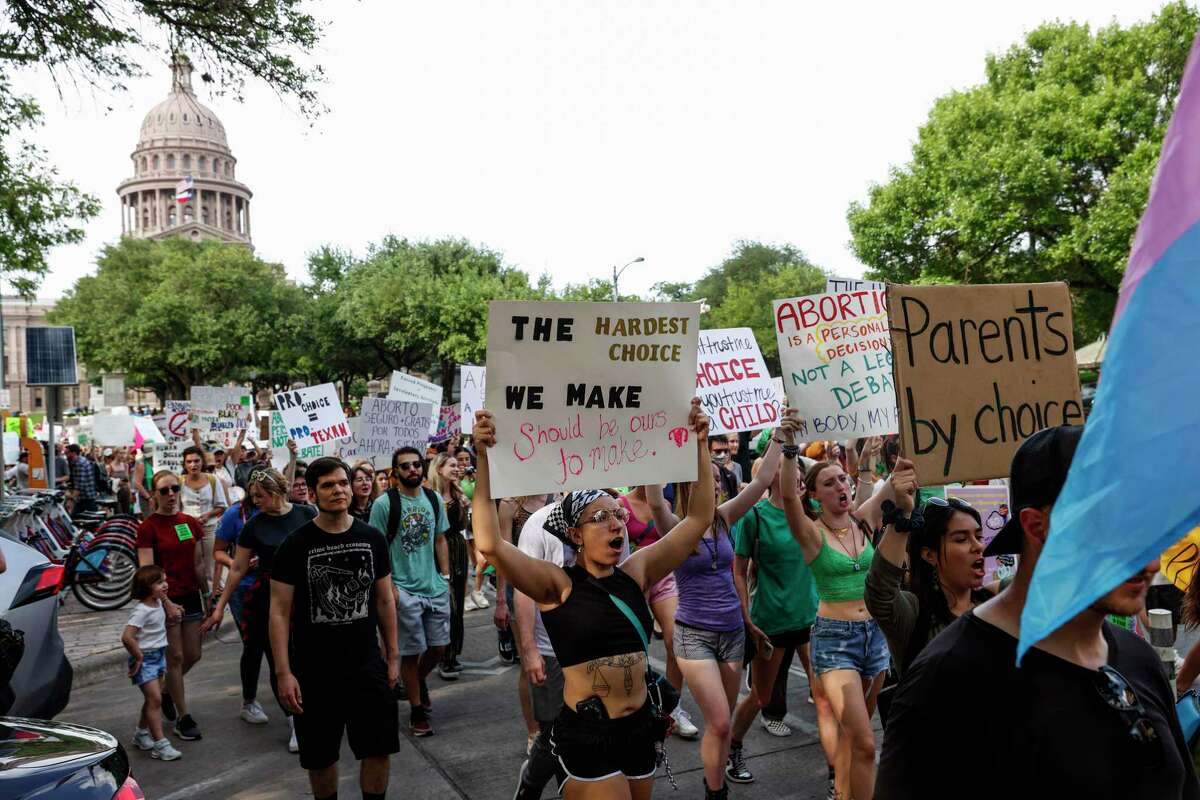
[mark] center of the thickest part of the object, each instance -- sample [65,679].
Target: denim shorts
[699,644]
[424,622]
[848,644]
[154,666]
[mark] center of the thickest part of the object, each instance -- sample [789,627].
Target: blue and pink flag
[1134,485]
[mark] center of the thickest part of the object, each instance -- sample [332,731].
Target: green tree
[1039,174]
[748,304]
[175,314]
[423,305]
[103,43]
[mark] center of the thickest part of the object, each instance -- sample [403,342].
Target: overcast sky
[572,135]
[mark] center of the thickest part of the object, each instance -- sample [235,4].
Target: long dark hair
[683,499]
[922,576]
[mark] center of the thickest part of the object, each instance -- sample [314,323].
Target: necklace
[854,539]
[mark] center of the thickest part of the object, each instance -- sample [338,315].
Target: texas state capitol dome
[181,153]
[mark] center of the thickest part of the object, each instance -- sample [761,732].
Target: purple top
[707,596]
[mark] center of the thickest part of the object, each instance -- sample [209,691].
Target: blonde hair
[269,480]
[162,473]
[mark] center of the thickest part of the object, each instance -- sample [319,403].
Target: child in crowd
[145,637]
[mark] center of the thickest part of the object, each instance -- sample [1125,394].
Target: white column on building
[247,219]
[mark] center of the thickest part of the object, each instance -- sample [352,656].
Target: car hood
[39,744]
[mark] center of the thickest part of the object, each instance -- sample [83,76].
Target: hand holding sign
[904,484]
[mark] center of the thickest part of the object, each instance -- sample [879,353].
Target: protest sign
[978,370]
[178,415]
[411,388]
[732,382]
[312,415]
[471,382]
[836,357]
[113,430]
[280,455]
[1179,561]
[177,432]
[449,424]
[590,394]
[992,504]
[835,285]
[386,425]
[220,412]
[148,430]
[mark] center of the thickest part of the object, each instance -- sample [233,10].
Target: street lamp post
[617,274]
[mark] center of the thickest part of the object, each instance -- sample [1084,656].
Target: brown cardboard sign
[979,369]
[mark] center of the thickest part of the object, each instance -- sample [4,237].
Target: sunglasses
[602,516]
[953,502]
[167,491]
[409,465]
[1115,690]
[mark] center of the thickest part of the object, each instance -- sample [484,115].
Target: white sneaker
[469,603]
[293,745]
[253,713]
[163,751]
[684,728]
[480,599]
[142,739]
[776,727]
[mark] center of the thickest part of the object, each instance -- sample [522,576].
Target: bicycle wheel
[117,566]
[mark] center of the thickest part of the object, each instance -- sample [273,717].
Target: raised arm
[864,470]
[894,544]
[736,507]
[543,582]
[871,511]
[650,564]
[289,473]
[236,453]
[802,528]
[660,509]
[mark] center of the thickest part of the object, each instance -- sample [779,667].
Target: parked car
[40,759]
[1087,393]
[29,602]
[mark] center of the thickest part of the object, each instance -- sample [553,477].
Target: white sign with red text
[732,382]
[312,415]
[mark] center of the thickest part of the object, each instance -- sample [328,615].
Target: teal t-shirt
[785,599]
[414,566]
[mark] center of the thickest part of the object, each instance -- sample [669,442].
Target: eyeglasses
[409,465]
[602,516]
[167,491]
[1115,690]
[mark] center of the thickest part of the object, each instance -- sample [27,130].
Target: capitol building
[184,184]
[184,174]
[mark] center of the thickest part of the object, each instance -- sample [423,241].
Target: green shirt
[414,567]
[468,487]
[785,599]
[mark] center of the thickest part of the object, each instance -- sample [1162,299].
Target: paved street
[475,753]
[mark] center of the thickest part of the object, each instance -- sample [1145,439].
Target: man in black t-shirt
[1088,713]
[335,573]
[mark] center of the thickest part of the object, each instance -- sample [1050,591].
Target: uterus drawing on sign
[679,436]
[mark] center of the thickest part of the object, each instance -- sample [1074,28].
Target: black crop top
[589,625]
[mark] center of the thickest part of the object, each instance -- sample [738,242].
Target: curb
[93,669]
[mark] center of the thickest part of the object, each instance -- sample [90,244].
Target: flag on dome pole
[184,190]
[1132,488]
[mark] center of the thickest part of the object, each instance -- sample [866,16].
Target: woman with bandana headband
[605,734]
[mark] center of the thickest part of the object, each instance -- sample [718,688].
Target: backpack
[393,523]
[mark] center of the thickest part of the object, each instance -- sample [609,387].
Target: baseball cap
[1039,470]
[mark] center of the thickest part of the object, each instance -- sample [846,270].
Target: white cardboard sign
[590,395]
[411,388]
[113,430]
[220,412]
[834,285]
[386,425]
[835,350]
[471,383]
[732,382]
[312,415]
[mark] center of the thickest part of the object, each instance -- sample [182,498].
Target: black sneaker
[168,708]
[736,769]
[524,790]
[506,646]
[187,729]
[450,670]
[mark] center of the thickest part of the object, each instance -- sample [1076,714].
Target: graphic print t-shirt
[334,622]
[414,567]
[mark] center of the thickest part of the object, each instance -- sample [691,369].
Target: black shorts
[595,750]
[192,605]
[358,701]
[780,641]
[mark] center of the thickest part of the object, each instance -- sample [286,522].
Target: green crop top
[840,578]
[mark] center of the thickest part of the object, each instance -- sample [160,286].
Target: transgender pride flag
[1134,485]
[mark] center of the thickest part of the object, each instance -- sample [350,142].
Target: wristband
[790,450]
